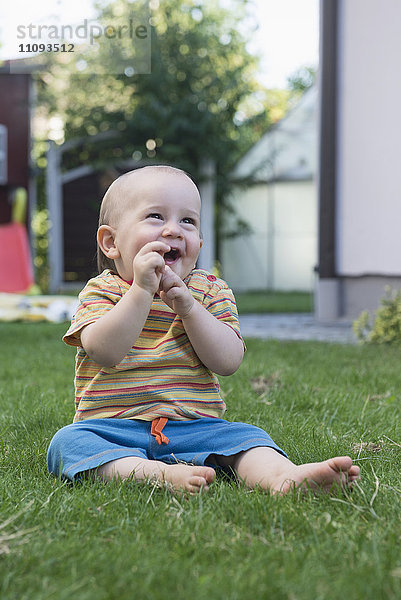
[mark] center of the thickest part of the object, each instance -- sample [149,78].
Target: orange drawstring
[157,429]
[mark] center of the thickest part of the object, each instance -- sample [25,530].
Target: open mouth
[172,256]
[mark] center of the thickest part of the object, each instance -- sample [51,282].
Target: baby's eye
[188,220]
[154,216]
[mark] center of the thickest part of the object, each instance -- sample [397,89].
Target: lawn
[129,541]
[265,301]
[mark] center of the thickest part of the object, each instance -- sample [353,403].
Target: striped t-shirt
[161,376]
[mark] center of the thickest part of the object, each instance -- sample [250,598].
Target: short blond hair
[112,206]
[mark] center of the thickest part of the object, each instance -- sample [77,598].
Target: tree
[302,79]
[201,99]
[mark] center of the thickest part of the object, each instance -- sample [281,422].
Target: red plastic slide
[16,273]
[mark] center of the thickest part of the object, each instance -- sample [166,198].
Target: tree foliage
[194,104]
[302,79]
[200,101]
[189,105]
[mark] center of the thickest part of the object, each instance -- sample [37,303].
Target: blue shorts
[89,444]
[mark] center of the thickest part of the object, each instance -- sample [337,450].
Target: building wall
[281,251]
[15,115]
[369,158]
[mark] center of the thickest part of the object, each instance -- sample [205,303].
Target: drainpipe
[327,297]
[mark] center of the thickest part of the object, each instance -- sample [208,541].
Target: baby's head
[148,204]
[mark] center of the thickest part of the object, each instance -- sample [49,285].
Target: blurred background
[284,112]
[221,76]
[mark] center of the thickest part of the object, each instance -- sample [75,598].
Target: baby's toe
[198,484]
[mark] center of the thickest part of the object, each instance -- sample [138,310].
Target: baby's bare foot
[189,478]
[323,476]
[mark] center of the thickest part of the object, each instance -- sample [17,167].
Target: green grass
[106,541]
[265,301]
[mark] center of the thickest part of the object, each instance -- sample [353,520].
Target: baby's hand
[175,293]
[149,266]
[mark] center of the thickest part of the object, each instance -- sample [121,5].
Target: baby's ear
[106,242]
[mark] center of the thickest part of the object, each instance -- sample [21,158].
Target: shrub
[385,327]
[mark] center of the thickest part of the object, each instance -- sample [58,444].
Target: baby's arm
[109,339]
[216,344]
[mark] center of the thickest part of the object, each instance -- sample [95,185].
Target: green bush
[40,228]
[385,327]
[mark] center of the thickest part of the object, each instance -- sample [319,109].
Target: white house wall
[369,132]
[288,150]
[295,236]
[281,252]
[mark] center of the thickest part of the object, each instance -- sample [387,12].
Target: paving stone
[299,326]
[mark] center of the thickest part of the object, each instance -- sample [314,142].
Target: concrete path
[295,327]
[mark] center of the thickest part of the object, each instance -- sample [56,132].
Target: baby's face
[164,207]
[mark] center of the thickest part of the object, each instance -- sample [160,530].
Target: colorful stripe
[161,376]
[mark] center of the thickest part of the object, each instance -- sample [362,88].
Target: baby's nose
[172,229]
